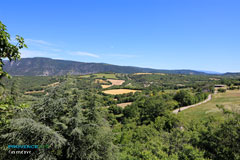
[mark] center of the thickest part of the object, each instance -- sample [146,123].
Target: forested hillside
[78,121]
[51,67]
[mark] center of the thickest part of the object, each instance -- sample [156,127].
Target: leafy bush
[221,90]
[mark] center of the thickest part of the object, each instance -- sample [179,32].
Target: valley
[139,109]
[119,80]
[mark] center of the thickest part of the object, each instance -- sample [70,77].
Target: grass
[101,75]
[101,81]
[119,91]
[230,100]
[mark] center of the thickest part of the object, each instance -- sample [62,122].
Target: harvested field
[119,91]
[32,92]
[160,74]
[123,105]
[141,73]
[106,86]
[214,79]
[116,82]
[53,84]
[148,73]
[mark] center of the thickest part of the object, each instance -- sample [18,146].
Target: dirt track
[194,105]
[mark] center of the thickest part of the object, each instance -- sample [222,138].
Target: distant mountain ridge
[51,67]
[232,74]
[210,72]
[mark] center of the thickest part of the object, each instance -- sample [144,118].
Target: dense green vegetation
[8,50]
[76,120]
[60,121]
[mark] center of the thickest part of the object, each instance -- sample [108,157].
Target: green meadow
[230,100]
[101,75]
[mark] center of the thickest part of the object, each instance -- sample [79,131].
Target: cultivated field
[32,92]
[141,73]
[116,82]
[106,86]
[123,105]
[101,75]
[160,74]
[230,99]
[119,91]
[53,84]
[148,73]
[214,79]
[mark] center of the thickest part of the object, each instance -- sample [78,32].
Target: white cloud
[79,53]
[41,45]
[37,42]
[35,53]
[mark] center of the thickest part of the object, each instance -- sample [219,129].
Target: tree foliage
[8,50]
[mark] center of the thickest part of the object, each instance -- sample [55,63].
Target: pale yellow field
[116,82]
[123,105]
[148,73]
[214,79]
[53,84]
[119,91]
[106,86]
[160,74]
[31,92]
[141,73]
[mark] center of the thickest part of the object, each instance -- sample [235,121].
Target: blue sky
[163,34]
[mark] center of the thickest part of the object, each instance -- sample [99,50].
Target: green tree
[60,121]
[221,90]
[221,141]
[11,52]
[8,50]
[184,98]
[14,91]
